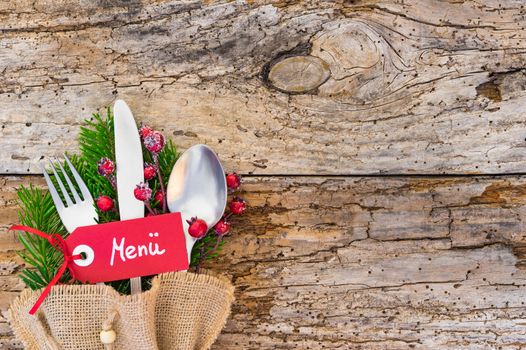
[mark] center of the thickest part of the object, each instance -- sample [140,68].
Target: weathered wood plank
[414,86]
[338,263]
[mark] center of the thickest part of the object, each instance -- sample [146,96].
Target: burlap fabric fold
[182,311]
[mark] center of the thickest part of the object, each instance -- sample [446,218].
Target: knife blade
[130,172]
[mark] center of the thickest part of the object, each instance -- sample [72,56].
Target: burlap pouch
[181,311]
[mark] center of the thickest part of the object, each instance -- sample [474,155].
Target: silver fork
[75,212]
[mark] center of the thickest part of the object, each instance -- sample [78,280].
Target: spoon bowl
[197,187]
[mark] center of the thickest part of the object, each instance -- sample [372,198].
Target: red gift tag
[126,249]
[118,250]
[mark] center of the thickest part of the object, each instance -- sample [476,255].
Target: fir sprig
[38,211]
[204,248]
[96,141]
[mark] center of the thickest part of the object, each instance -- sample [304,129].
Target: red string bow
[60,244]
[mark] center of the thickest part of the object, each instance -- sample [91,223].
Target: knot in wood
[299,74]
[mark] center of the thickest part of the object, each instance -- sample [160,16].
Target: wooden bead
[108,337]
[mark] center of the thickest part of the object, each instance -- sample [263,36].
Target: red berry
[143,192]
[104,203]
[105,167]
[238,206]
[233,181]
[158,197]
[197,228]
[154,142]
[222,227]
[149,171]
[144,131]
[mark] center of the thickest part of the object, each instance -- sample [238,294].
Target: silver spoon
[197,187]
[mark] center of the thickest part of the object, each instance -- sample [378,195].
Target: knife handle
[135,285]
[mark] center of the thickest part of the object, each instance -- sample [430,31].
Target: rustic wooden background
[382,142]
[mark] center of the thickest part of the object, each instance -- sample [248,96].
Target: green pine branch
[203,248]
[96,141]
[38,211]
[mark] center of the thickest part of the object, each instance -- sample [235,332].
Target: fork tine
[82,186]
[70,184]
[61,185]
[54,194]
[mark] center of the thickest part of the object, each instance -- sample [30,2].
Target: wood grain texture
[411,88]
[368,263]
[414,86]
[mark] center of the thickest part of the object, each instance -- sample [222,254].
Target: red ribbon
[60,244]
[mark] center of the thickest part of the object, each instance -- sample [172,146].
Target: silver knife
[129,161]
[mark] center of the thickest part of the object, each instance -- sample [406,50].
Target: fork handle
[135,285]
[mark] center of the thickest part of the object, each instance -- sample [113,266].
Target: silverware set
[196,187]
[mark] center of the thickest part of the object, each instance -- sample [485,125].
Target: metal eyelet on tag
[87,251]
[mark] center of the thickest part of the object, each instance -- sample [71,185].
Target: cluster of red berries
[198,227]
[144,193]
[237,205]
[106,168]
[154,142]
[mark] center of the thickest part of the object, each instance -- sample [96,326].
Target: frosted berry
[233,181]
[158,197]
[144,131]
[104,203]
[154,142]
[143,192]
[105,167]
[238,206]
[222,227]
[197,228]
[149,171]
